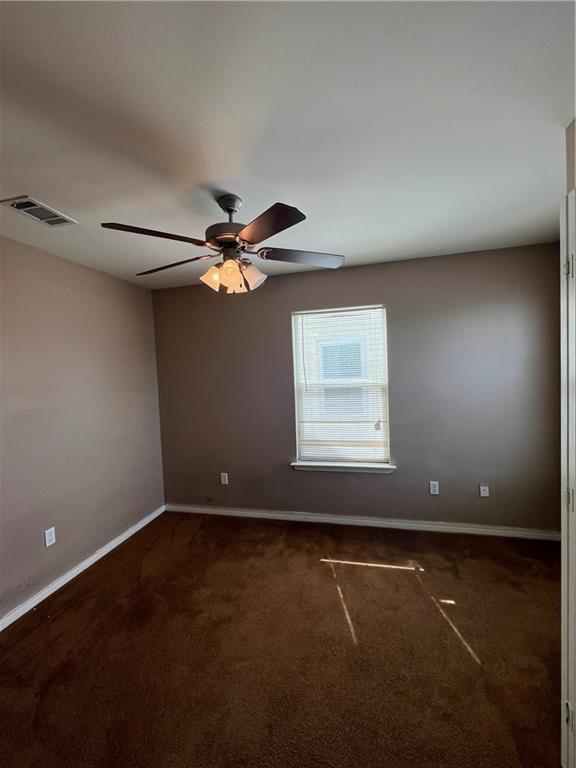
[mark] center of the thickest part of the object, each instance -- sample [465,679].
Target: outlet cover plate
[50,536]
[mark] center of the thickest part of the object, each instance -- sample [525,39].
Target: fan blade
[156,233]
[328,260]
[276,219]
[178,263]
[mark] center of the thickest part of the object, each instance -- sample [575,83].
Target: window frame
[340,466]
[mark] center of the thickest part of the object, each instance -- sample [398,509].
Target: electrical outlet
[434,488]
[223,478]
[50,536]
[484,491]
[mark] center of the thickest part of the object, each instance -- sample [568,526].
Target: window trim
[337,466]
[342,466]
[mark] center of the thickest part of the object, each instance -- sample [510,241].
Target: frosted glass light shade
[238,289]
[230,275]
[253,276]
[211,278]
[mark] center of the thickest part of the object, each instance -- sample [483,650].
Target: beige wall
[80,445]
[474,382]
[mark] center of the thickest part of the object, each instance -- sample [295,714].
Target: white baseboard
[376,522]
[27,605]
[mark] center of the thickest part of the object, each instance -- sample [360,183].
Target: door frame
[568,473]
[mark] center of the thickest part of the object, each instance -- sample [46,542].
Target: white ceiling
[401,129]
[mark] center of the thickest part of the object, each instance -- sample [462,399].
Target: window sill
[337,466]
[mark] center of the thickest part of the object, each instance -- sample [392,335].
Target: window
[341,386]
[342,359]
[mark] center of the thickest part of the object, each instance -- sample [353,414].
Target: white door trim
[568,474]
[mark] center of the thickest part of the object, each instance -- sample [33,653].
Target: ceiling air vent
[38,211]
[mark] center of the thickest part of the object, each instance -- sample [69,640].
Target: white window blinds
[341,385]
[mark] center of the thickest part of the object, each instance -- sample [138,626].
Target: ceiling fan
[232,241]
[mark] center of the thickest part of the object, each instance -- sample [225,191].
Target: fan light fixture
[236,275]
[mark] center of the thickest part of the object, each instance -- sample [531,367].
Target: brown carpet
[205,642]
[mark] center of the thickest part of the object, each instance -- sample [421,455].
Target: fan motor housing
[223,233]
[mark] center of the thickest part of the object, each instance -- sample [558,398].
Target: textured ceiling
[401,129]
